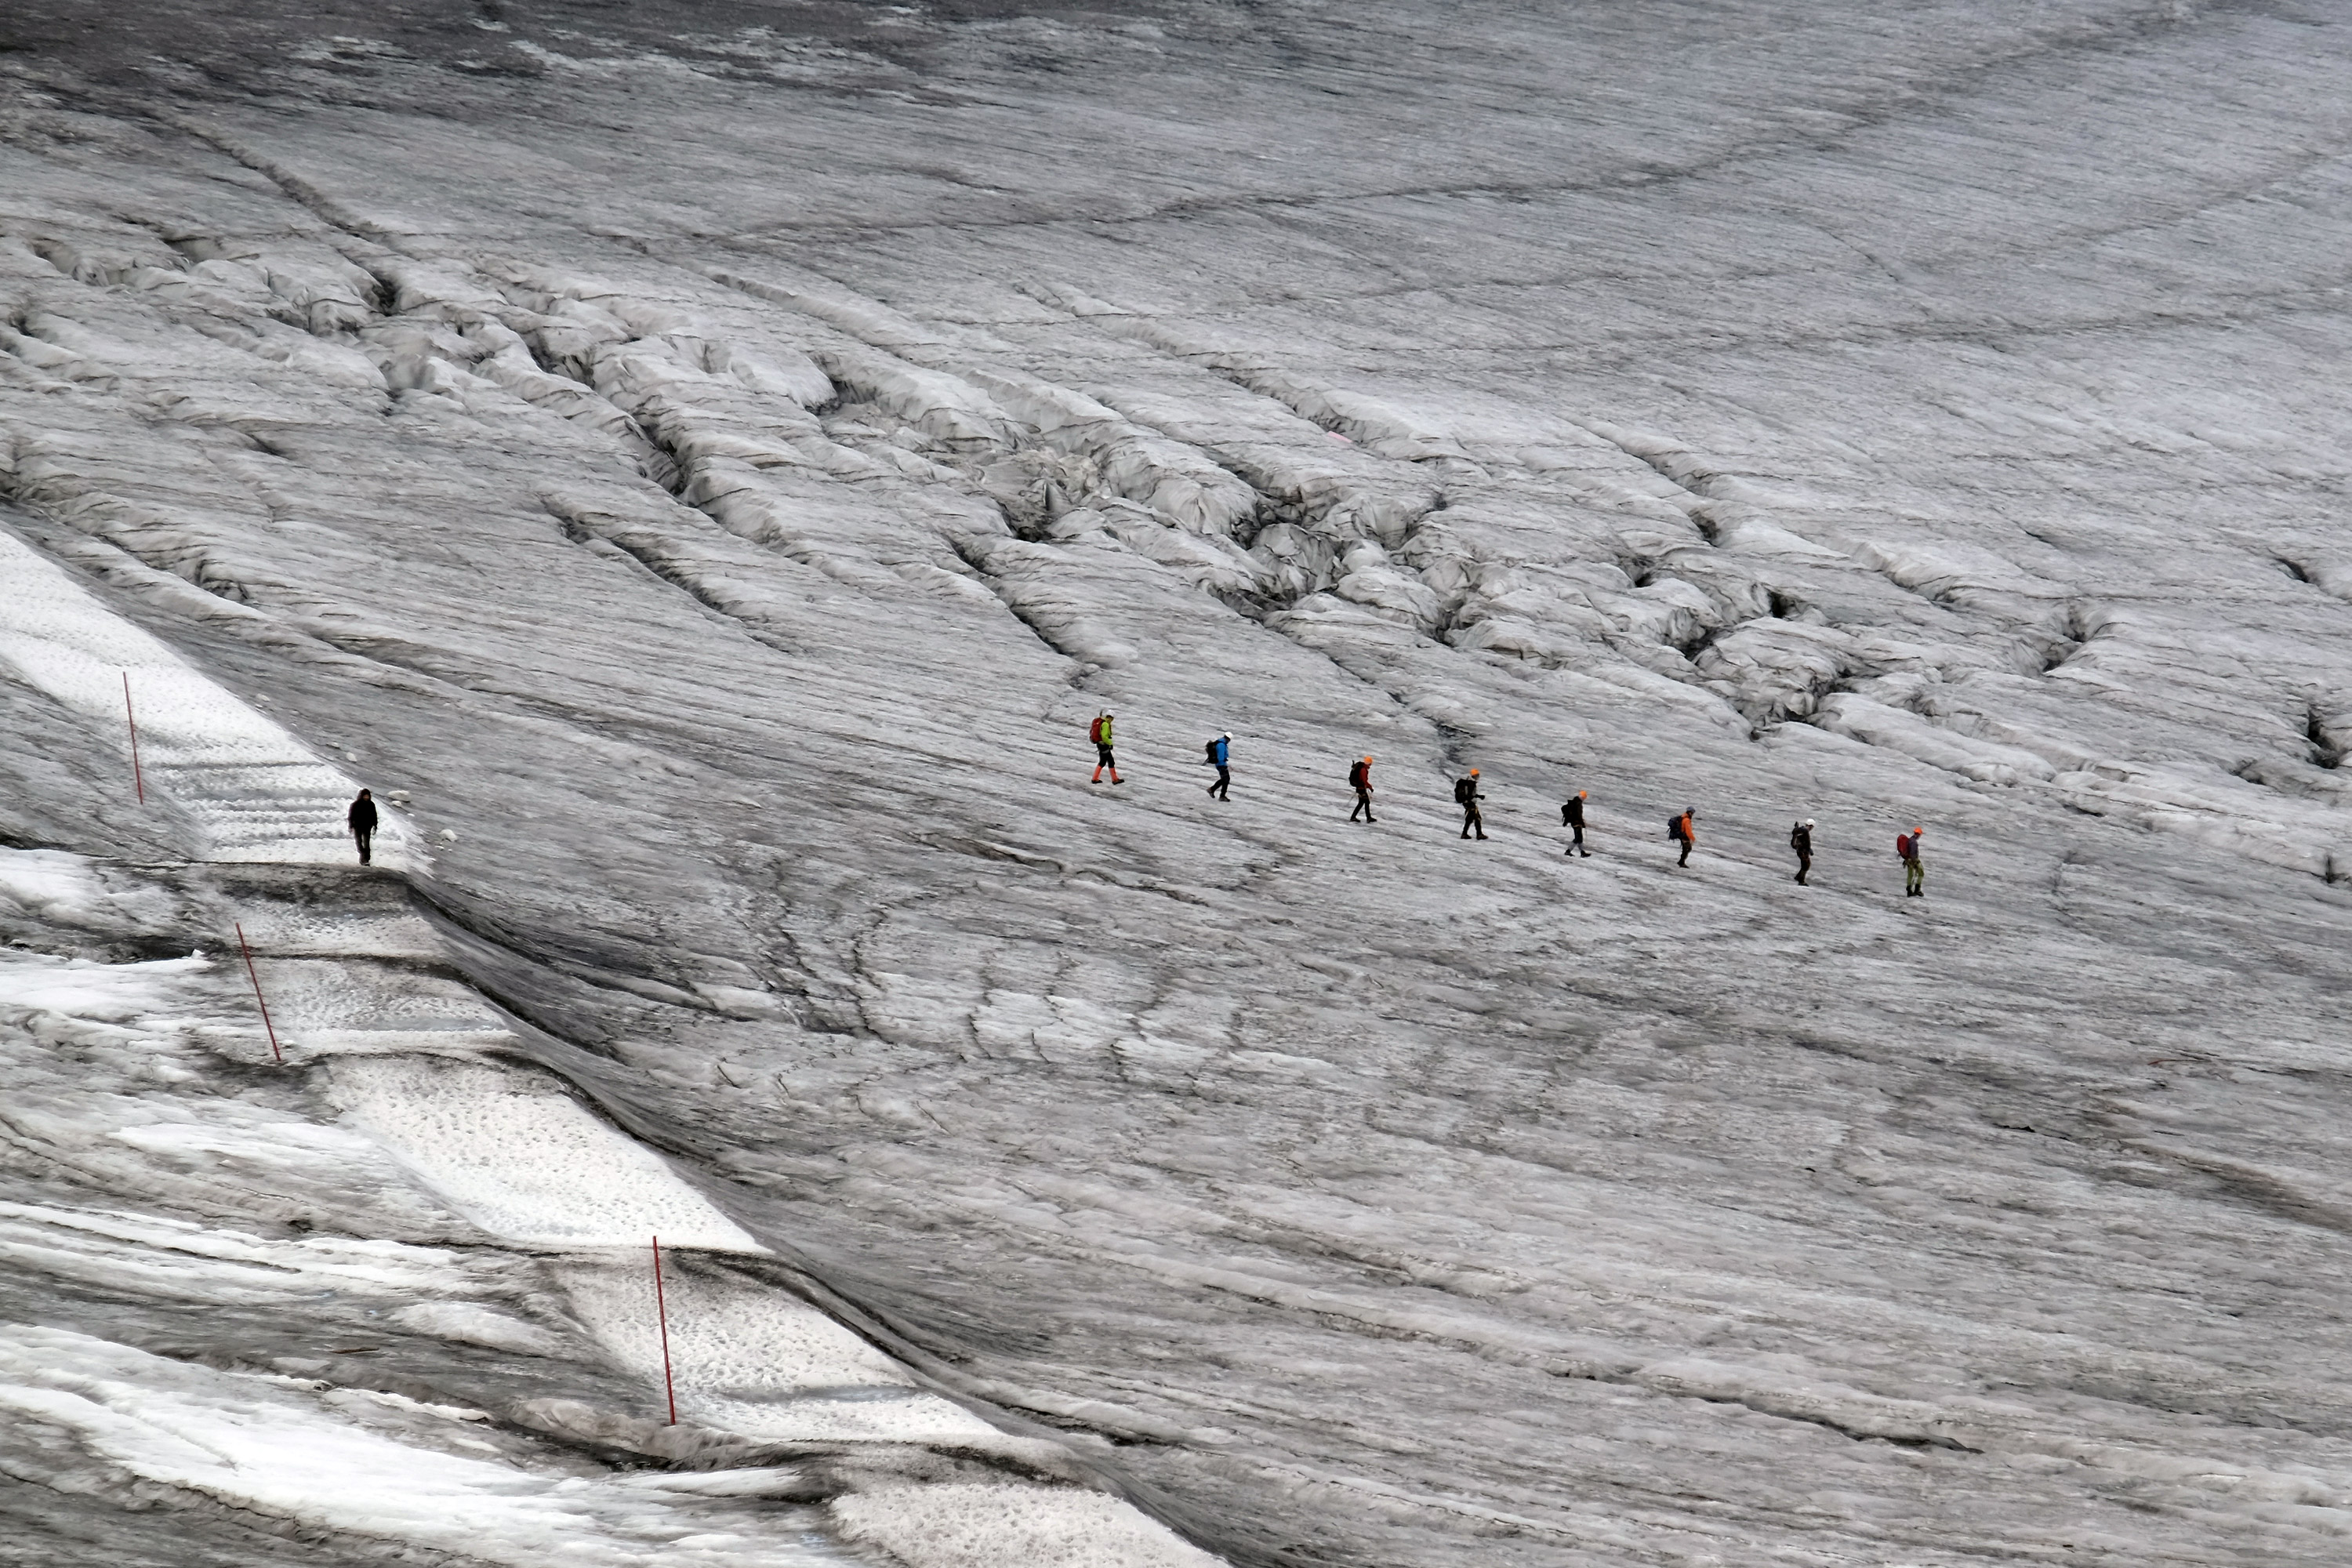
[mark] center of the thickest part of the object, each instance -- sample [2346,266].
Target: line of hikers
[1681,829]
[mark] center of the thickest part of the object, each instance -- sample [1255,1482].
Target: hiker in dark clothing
[1219,750]
[1683,829]
[1801,839]
[1360,779]
[362,816]
[1572,815]
[1467,795]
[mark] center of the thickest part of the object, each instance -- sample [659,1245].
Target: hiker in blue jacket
[1217,759]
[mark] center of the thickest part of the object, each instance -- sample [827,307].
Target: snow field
[980,1526]
[525,1161]
[49,883]
[755,1361]
[376,1464]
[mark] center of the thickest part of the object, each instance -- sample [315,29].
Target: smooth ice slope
[712,461]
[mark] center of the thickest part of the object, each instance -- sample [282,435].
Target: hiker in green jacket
[1099,734]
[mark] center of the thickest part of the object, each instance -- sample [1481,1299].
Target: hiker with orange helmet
[1915,874]
[1360,779]
[1572,815]
[1466,797]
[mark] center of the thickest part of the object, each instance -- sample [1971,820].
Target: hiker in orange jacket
[1684,828]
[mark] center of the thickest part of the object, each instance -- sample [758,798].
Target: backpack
[1674,827]
[1355,775]
[1463,790]
[1903,845]
[1095,730]
[1212,757]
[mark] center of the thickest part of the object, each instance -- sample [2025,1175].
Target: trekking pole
[661,1311]
[254,975]
[137,779]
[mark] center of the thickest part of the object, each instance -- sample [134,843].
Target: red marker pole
[661,1311]
[254,975]
[137,779]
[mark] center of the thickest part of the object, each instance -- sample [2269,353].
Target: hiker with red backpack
[1099,734]
[1360,779]
[1915,874]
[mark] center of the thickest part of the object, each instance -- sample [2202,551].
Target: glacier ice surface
[702,466]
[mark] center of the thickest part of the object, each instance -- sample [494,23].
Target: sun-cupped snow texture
[705,467]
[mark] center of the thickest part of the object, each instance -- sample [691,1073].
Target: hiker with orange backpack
[1099,734]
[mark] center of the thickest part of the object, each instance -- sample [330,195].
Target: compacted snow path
[703,468]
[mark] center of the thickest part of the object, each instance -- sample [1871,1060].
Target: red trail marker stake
[661,1311]
[137,779]
[254,975]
